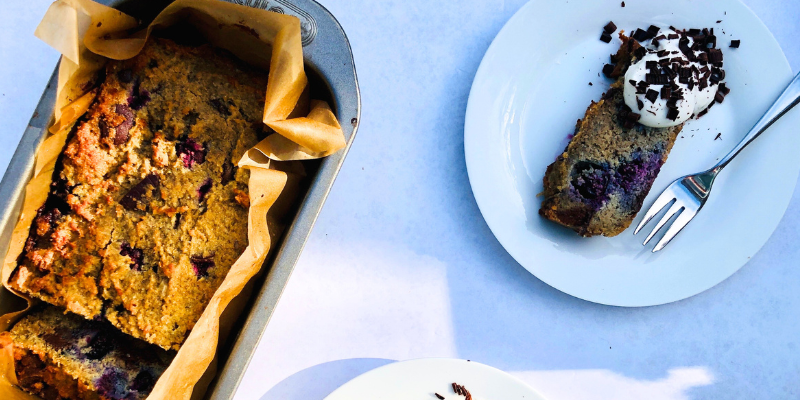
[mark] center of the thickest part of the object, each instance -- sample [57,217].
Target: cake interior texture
[147,210]
[58,356]
[597,185]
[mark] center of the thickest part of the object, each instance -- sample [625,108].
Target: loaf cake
[147,211]
[58,356]
[598,184]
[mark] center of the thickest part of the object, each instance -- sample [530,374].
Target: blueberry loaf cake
[58,356]
[663,77]
[147,211]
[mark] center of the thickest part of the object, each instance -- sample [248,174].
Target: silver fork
[689,193]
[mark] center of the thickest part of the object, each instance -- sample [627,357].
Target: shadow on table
[317,382]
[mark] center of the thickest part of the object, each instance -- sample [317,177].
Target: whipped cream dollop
[676,78]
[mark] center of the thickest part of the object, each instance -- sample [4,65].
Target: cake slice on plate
[663,78]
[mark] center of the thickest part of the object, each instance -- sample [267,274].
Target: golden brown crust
[146,214]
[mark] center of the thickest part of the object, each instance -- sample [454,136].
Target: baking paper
[88,34]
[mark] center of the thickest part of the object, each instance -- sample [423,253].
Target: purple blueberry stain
[201,265]
[190,152]
[590,180]
[122,129]
[138,97]
[143,382]
[113,384]
[99,345]
[136,255]
[204,188]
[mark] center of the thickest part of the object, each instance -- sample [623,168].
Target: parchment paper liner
[88,34]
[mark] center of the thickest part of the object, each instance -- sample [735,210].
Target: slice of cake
[58,356]
[147,211]
[597,185]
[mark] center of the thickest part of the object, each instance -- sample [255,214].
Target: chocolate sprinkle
[735,43]
[438,396]
[623,4]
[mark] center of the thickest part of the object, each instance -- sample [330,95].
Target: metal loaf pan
[329,63]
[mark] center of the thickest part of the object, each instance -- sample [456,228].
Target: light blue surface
[401,264]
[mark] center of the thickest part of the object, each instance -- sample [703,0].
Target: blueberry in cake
[58,356]
[147,211]
[663,78]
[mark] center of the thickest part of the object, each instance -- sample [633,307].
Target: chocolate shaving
[657,79]
[608,69]
[666,92]
[714,55]
[719,97]
[719,135]
[131,199]
[641,36]
[640,52]
[724,89]
[639,103]
[672,103]
[438,396]
[610,27]
[735,43]
[653,30]
[651,95]
[605,37]
[711,41]
[632,116]
[124,127]
[672,114]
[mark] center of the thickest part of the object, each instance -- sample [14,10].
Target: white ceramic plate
[533,84]
[421,379]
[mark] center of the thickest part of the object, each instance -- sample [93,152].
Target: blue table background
[401,264]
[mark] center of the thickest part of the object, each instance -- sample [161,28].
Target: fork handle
[788,99]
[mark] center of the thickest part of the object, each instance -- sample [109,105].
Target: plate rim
[425,360]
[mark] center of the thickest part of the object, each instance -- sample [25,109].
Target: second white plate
[533,84]
[422,379]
